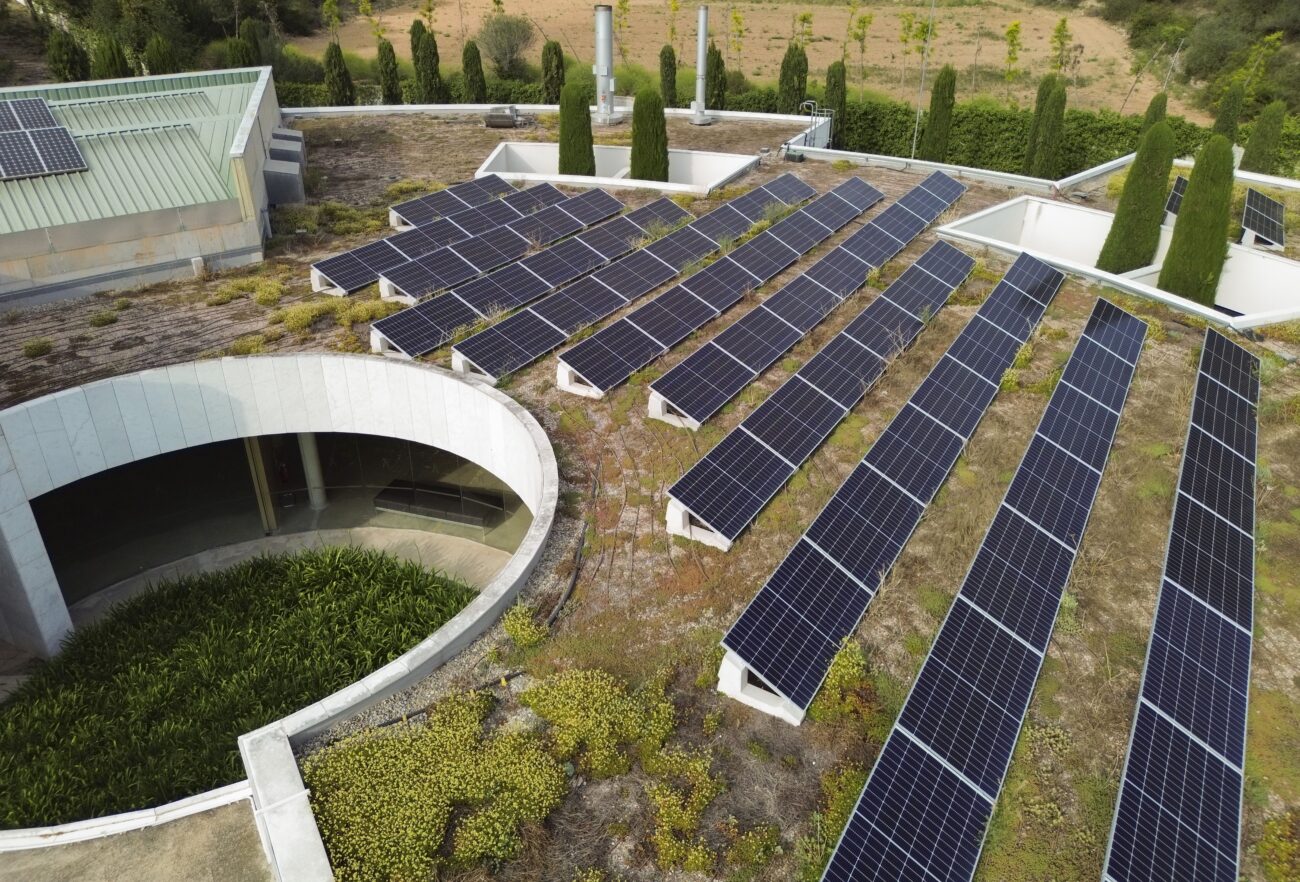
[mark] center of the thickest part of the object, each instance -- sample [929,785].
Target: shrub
[668,76]
[389,802]
[505,39]
[103,318]
[250,344]
[108,62]
[678,804]
[1155,111]
[1265,139]
[145,706]
[552,72]
[338,82]
[938,125]
[792,83]
[845,694]
[1135,233]
[38,347]
[837,101]
[390,81]
[1047,162]
[242,53]
[649,138]
[1279,847]
[715,79]
[576,153]
[840,790]
[473,86]
[1200,242]
[159,57]
[1229,114]
[1045,87]
[68,61]
[522,628]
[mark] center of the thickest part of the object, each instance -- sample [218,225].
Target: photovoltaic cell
[660,213]
[1176,193]
[703,383]
[8,119]
[57,150]
[671,317]
[917,453]
[757,340]
[794,420]
[765,255]
[720,500]
[721,284]
[681,248]
[1264,217]
[723,223]
[18,157]
[802,303]
[33,113]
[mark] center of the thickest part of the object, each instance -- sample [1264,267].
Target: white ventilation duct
[700,118]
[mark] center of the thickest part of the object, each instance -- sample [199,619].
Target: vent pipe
[700,118]
[604,66]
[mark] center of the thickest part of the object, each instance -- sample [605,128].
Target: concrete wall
[689,171]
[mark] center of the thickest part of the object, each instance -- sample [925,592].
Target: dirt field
[968,35]
[643,600]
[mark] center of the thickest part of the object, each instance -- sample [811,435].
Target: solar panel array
[615,353]
[423,210]
[32,143]
[475,207]
[431,324]
[1264,217]
[1175,200]
[926,806]
[527,336]
[1179,809]
[791,630]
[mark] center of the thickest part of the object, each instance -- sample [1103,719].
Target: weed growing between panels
[145,706]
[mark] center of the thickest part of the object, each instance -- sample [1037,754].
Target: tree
[1155,111]
[934,141]
[505,39]
[338,82]
[1047,161]
[793,82]
[861,25]
[1135,232]
[576,154]
[1200,242]
[429,88]
[240,53]
[69,63]
[1265,140]
[418,32]
[552,72]
[674,7]
[109,61]
[1061,44]
[622,15]
[329,13]
[390,81]
[837,101]
[906,26]
[649,138]
[471,69]
[1230,107]
[668,75]
[1045,87]
[736,36]
[1012,38]
[715,80]
[250,31]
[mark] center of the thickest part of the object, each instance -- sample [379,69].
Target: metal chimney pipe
[604,66]
[700,118]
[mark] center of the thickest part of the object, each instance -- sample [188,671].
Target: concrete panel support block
[735,680]
[569,381]
[680,524]
[658,408]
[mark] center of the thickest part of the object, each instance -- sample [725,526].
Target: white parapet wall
[57,439]
[695,172]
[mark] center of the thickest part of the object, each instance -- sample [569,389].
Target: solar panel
[33,113]
[1264,217]
[660,213]
[681,248]
[757,339]
[615,354]
[968,703]
[18,157]
[457,197]
[57,150]
[722,224]
[671,317]
[480,219]
[764,255]
[1176,193]
[721,284]
[8,119]
[789,189]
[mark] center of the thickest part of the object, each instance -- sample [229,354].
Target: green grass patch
[145,706]
[38,347]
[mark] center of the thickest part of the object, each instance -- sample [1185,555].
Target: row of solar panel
[711,376]
[34,152]
[793,627]
[1179,809]
[26,113]
[528,335]
[424,210]
[927,803]
[475,207]
[436,321]
[1262,215]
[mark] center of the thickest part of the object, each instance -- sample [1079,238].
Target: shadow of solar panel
[18,157]
[872,245]
[1033,277]
[764,256]
[681,248]
[839,272]
[883,328]
[721,284]
[946,263]
[789,189]
[1219,480]
[1198,672]
[757,339]
[33,113]
[792,629]
[703,383]
[858,193]
[1178,809]
[865,525]
[1080,425]
[1231,365]
[892,835]
[794,420]
[1212,560]
[1225,416]
[8,119]
[916,452]
[725,503]
[1015,577]
[660,213]
[843,369]
[724,223]
[57,150]
[611,356]
[612,239]
[802,303]
[672,316]
[955,396]
[1054,490]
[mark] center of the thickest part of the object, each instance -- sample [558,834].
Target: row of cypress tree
[649,159]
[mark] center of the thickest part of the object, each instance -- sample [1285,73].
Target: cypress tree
[934,140]
[552,72]
[838,101]
[1265,140]
[793,82]
[1230,107]
[1135,232]
[1045,87]
[715,80]
[250,31]
[668,76]
[338,82]
[471,69]
[1155,112]
[109,61]
[649,138]
[1047,160]
[240,53]
[1200,242]
[390,81]
[429,87]
[159,57]
[418,32]
[68,61]
[576,154]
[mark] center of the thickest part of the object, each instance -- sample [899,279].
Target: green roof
[150,143]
